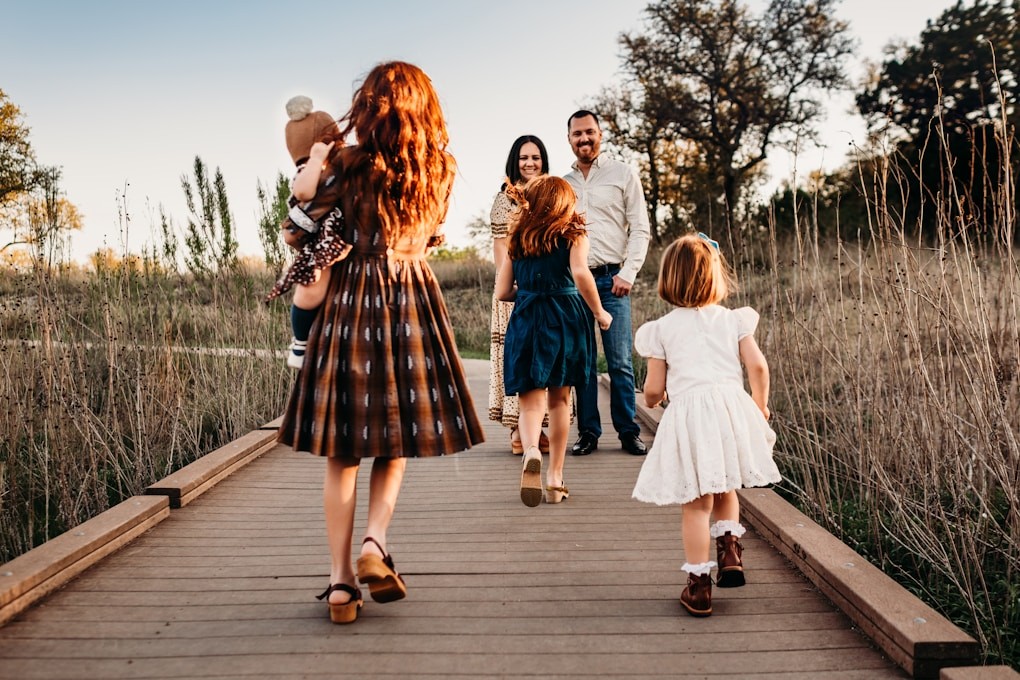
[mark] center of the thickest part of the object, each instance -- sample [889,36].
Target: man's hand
[621,288]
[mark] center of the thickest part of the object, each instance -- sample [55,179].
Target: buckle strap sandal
[531,478]
[556,494]
[345,612]
[380,574]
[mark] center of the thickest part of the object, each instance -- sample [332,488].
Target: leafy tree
[713,75]
[951,102]
[479,233]
[209,237]
[965,68]
[271,214]
[638,129]
[51,218]
[17,160]
[41,218]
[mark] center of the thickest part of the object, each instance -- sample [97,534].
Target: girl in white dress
[713,438]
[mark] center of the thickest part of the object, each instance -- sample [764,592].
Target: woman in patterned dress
[528,158]
[382,378]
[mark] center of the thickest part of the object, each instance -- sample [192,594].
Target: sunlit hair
[513,164]
[693,273]
[400,159]
[545,212]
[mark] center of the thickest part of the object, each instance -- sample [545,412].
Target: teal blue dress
[550,339]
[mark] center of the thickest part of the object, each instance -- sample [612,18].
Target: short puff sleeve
[499,216]
[648,341]
[747,322]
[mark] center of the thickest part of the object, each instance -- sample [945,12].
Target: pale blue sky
[119,91]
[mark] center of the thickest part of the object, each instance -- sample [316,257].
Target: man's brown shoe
[731,566]
[697,596]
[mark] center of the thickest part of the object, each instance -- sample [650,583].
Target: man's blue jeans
[616,342]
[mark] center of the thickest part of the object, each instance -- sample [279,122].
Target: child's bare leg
[312,295]
[529,423]
[696,516]
[532,405]
[559,424]
[727,506]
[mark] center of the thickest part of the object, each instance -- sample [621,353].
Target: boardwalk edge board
[912,634]
[40,571]
[192,480]
[273,425]
[979,673]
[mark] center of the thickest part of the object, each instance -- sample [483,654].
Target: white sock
[722,526]
[698,569]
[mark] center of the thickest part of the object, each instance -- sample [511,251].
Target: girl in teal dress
[550,341]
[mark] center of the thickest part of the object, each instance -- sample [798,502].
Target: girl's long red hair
[545,213]
[400,159]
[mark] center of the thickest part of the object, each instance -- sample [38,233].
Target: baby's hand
[604,320]
[319,152]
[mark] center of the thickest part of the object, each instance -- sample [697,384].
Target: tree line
[709,88]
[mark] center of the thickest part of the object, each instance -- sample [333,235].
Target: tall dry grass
[105,391]
[896,389]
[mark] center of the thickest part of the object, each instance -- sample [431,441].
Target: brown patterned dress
[381,376]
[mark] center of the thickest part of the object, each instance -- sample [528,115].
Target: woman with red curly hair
[382,378]
[550,340]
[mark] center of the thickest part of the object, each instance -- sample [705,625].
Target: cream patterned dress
[502,409]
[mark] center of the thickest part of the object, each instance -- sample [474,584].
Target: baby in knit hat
[314,222]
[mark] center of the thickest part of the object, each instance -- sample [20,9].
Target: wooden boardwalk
[224,588]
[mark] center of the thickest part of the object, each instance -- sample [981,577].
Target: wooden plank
[343,661]
[425,626]
[194,479]
[31,576]
[383,642]
[301,604]
[979,673]
[273,424]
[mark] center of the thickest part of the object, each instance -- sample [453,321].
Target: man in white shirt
[610,197]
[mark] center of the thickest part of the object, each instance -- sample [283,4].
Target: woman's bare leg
[339,497]
[384,487]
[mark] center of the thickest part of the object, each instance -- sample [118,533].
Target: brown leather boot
[697,596]
[731,567]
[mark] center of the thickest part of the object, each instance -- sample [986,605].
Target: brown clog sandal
[384,583]
[531,477]
[556,494]
[516,446]
[345,612]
